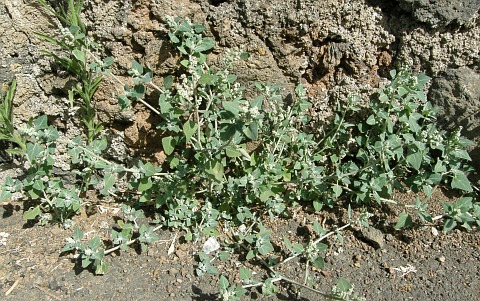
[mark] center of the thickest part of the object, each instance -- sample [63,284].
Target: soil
[421,263]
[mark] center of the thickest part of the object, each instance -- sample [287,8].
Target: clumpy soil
[421,263]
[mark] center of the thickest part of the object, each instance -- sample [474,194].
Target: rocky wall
[334,47]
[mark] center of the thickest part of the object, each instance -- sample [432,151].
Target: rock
[442,12]
[457,93]
[54,285]
[373,236]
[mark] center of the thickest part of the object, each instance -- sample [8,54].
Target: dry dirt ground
[415,264]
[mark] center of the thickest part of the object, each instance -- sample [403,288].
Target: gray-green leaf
[460,181]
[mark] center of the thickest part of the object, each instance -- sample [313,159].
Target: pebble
[374,236]
[53,285]
[441,259]
[180,253]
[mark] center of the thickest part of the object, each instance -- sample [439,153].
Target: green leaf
[317,205]
[424,216]
[108,183]
[449,225]
[184,27]
[223,282]
[167,82]
[371,120]
[231,78]
[33,151]
[287,243]
[244,273]
[79,55]
[460,181]
[199,28]
[251,131]
[211,270]
[422,79]
[86,261]
[137,68]
[321,247]
[149,170]
[298,248]
[343,285]
[232,152]
[337,190]
[250,255]
[102,268]
[32,213]
[464,204]
[404,220]
[439,167]
[40,123]
[205,44]
[145,184]
[232,107]
[414,126]
[173,38]
[168,144]
[189,129]
[5,195]
[268,288]
[415,160]
[124,102]
[257,102]
[77,234]
[265,248]
[207,79]
[319,263]
[428,190]
[318,229]
[461,154]
[215,169]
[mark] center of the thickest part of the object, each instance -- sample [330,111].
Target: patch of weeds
[249,159]
[77,57]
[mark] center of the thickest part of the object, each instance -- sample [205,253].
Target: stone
[457,94]
[373,236]
[442,12]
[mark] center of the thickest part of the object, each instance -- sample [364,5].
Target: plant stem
[316,242]
[123,84]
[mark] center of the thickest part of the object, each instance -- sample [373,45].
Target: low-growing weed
[232,162]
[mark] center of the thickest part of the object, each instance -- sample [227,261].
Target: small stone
[441,259]
[53,285]
[211,245]
[180,253]
[374,236]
